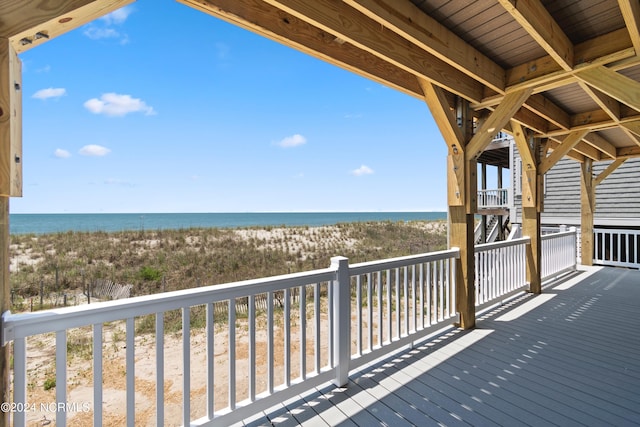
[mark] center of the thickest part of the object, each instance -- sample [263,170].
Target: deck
[567,357]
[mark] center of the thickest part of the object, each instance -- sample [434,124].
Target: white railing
[497,198]
[500,270]
[616,247]
[305,317]
[398,301]
[559,253]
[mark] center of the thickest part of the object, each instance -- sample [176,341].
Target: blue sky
[161,108]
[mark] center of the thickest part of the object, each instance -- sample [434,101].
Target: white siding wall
[617,197]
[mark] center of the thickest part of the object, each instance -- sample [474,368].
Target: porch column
[454,120]
[532,179]
[462,184]
[10,183]
[587,209]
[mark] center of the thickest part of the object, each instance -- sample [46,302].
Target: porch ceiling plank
[613,49]
[38,21]
[407,20]
[442,113]
[608,170]
[561,150]
[536,20]
[614,84]
[270,22]
[630,10]
[342,20]
[601,144]
[496,121]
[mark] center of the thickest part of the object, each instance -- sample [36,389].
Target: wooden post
[463,192]
[587,208]
[530,152]
[531,208]
[10,184]
[5,302]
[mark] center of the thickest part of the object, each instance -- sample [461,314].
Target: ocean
[57,223]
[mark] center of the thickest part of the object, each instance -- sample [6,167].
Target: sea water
[56,223]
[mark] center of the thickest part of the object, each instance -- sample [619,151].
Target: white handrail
[494,198]
[500,270]
[559,253]
[426,278]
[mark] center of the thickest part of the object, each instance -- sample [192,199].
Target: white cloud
[94,150]
[117,17]
[96,33]
[362,170]
[113,104]
[104,27]
[61,154]
[50,93]
[292,141]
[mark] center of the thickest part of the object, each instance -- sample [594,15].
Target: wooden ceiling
[578,58]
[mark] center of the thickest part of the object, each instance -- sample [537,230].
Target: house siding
[617,197]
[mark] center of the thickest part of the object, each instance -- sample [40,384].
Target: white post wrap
[342,320]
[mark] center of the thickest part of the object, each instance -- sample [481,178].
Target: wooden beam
[10,121]
[561,150]
[411,23]
[633,127]
[571,154]
[340,19]
[628,152]
[537,104]
[536,20]
[29,23]
[522,144]
[614,84]
[608,170]
[600,143]
[496,121]
[630,10]
[545,74]
[272,23]
[608,104]
[444,116]
[587,210]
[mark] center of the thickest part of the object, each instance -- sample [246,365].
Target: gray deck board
[572,360]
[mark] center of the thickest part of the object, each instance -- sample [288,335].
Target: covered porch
[567,357]
[562,79]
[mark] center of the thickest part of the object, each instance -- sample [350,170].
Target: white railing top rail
[559,235]
[502,244]
[26,324]
[390,263]
[616,230]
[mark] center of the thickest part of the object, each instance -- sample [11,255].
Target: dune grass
[164,260]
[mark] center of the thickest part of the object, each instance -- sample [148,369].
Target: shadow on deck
[570,356]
